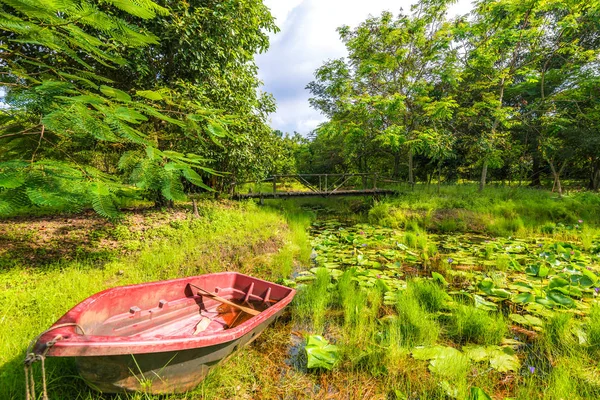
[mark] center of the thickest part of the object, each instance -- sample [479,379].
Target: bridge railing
[317,184]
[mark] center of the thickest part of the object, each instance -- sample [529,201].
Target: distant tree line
[510,91]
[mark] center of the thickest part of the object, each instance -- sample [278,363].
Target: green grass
[353,310]
[241,237]
[593,332]
[429,295]
[471,325]
[414,325]
[498,211]
[312,300]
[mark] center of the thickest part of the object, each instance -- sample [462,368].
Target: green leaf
[11,181]
[561,299]
[502,293]
[439,278]
[115,93]
[520,287]
[476,353]
[590,275]
[524,298]
[557,282]
[486,286]
[502,359]
[545,301]
[149,94]
[141,9]
[483,304]
[503,362]
[447,362]
[102,202]
[320,353]
[478,394]
[129,115]
[526,320]
[215,129]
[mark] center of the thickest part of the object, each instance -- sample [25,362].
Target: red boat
[163,337]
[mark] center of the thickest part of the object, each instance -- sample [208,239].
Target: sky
[307,39]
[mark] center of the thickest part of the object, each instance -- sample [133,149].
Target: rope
[32,357]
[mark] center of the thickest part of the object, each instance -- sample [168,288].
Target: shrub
[548,228]
[380,213]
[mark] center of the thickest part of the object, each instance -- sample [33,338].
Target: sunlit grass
[471,325]
[312,300]
[429,295]
[242,238]
[499,211]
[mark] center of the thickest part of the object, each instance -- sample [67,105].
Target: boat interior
[191,314]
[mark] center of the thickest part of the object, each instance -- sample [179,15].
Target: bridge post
[320,185]
[274,184]
[326,182]
[375,181]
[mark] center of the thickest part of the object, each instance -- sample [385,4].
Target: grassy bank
[50,264]
[498,211]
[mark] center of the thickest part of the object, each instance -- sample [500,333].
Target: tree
[494,47]
[396,87]
[64,121]
[206,54]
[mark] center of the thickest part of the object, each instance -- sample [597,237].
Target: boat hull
[163,337]
[159,373]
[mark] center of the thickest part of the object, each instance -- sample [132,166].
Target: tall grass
[312,300]
[559,337]
[500,211]
[472,325]
[360,309]
[593,331]
[413,326]
[429,295]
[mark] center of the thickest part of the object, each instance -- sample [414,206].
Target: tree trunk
[484,169]
[537,171]
[396,167]
[160,201]
[195,206]
[439,182]
[411,179]
[556,176]
[595,176]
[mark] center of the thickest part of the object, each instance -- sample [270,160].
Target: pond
[521,284]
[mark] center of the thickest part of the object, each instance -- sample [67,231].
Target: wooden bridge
[319,185]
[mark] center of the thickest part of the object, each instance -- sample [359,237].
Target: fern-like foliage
[65,125]
[57,185]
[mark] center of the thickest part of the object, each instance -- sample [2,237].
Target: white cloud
[308,38]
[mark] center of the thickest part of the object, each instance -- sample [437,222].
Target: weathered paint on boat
[141,337]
